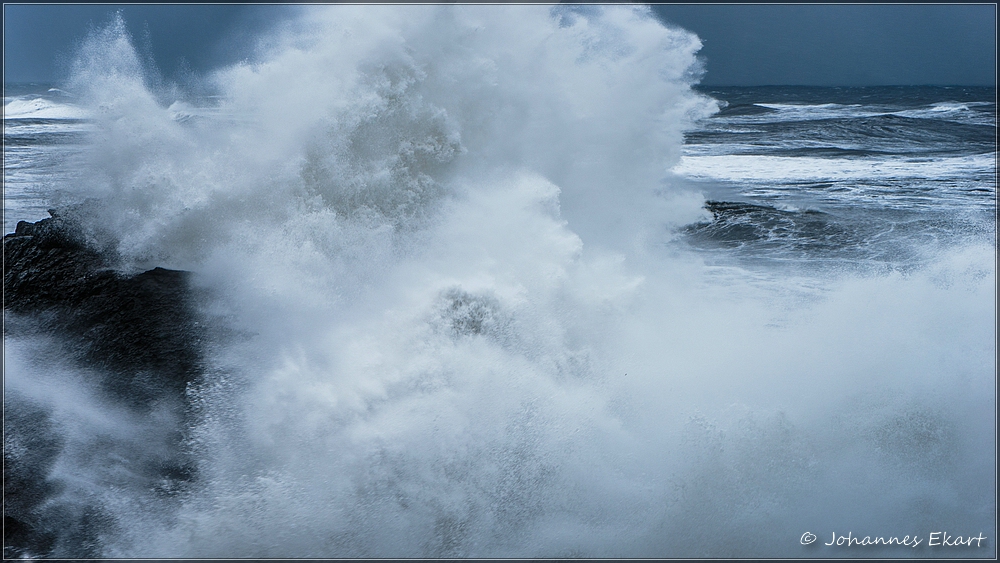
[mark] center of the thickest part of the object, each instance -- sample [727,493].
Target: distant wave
[961,111]
[817,111]
[40,108]
[773,168]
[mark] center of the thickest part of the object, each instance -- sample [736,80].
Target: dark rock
[30,450]
[140,331]
[138,335]
[739,225]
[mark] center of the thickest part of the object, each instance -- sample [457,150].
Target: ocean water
[503,281]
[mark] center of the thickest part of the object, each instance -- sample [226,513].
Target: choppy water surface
[871,177]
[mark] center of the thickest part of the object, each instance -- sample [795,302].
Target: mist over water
[438,250]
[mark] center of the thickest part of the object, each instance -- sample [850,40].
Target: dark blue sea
[872,177]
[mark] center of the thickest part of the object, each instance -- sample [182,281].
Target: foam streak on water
[438,239]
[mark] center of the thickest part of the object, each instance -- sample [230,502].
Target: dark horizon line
[55,83]
[845,86]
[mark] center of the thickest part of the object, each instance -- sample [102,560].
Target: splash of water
[435,236]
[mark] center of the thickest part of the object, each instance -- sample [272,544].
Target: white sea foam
[40,108]
[801,112]
[763,168]
[438,234]
[806,112]
[952,111]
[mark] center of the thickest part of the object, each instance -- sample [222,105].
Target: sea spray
[433,243]
[378,111]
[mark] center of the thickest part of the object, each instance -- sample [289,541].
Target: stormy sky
[744,45]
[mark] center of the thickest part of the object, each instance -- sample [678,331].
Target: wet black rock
[738,225]
[139,331]
[30,450]
[137,335]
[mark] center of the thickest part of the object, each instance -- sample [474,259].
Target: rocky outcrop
[137,335]
[139,331]
[762,230]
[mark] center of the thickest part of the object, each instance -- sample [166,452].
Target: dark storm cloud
[39,40]
[846,45]
[743,44]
